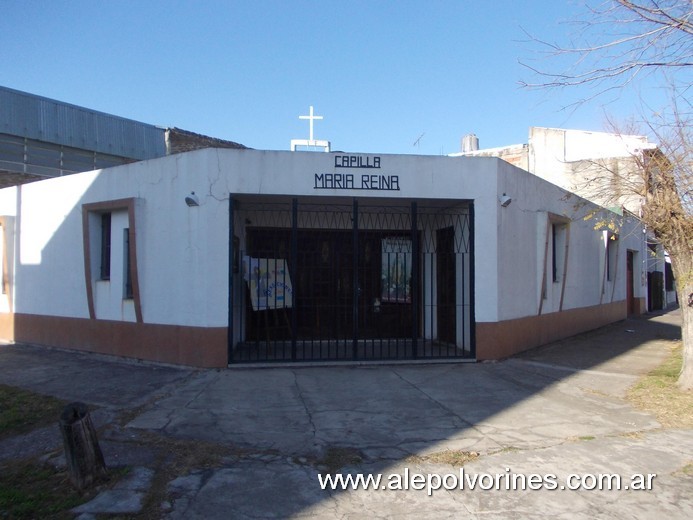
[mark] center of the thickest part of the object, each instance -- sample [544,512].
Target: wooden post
[83,455]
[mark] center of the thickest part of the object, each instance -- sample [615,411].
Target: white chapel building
[221,256]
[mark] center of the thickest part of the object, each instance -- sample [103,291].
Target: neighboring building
[179,141]
[42,138]
[598,166]
[661,287]
[220,256]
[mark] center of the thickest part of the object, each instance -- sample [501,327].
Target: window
[127,293]
[611,255]
[558,245]
[106,254]
[105,246]
[608,258]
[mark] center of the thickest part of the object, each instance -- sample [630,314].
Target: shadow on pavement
[288,422]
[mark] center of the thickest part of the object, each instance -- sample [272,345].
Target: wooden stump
[83,455]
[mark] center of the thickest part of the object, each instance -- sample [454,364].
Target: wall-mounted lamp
[192,200]
[505,200]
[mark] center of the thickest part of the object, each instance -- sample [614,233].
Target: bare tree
[618,44]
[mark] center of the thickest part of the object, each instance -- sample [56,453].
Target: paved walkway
[251,443]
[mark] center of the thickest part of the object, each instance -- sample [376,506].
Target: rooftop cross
[310,143]
[310,117]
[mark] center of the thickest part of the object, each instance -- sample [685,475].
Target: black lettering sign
[346,181]
[333,181]
[356,161]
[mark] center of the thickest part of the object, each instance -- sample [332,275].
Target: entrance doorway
[362,282]
[335,292]
[630,297]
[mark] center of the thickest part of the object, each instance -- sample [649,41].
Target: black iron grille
[323,282]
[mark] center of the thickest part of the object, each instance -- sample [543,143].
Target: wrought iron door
[362,283]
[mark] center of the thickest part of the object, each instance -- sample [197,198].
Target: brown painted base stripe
[177,344]
[505,338]
[206,347]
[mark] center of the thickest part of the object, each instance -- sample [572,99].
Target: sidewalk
[250,443]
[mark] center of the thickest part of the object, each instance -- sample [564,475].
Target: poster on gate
[269,283]
[396,270]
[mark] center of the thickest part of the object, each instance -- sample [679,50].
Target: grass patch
[658,393]
[30,490]
[22,411]
[336,457]
[456,458]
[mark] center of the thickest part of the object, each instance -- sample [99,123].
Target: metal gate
[356,281]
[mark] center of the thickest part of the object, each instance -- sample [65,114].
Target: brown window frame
[110,206]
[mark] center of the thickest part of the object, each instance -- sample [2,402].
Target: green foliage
[36,491]
[21,410]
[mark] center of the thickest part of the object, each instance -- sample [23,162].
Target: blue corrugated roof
[52,121]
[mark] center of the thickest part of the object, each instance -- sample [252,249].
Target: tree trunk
[83,455]
[686,302]
[682,265]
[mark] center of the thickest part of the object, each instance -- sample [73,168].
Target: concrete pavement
[250,443]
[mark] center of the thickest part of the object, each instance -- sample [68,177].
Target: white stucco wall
[8,201]
[5,250]
[183,251]
[8,210]
[49,263]
[522,245]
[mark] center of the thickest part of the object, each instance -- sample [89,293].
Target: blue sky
[381,73]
